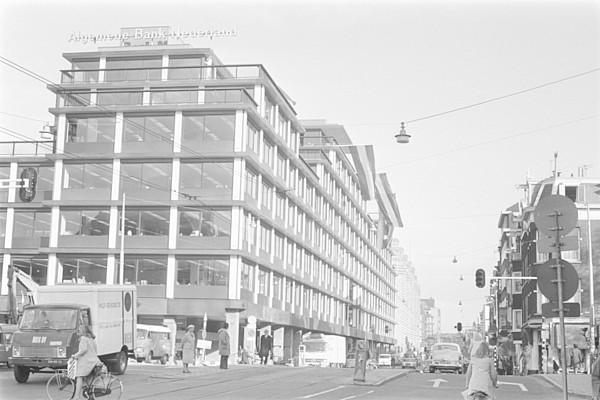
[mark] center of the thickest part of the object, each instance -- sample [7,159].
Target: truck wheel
[21,374]
[164,359]
[119,366]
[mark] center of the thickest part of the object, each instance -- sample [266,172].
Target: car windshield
[314,347]
[384,356]
[439,347]
[141,333]
[58,318]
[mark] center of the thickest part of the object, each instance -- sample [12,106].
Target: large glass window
[247,278]
[148,222]
[216,175]
[87,176]
[110,98]
[146,271]
[253,138]
[174,97]
[31,223]
[2,224]
[82,269]
[203,222]
[263,282]
[208,127]
[185,68]
[36,267]
[145,176]
[252,184]
[148,128]
[127,69]
[203,271]
[91,130]
[4,174]
[84,222]
[88,71]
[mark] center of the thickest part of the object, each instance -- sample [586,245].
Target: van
[385,360]
[153,343]
[6,332]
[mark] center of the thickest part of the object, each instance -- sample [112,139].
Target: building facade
[408,332]
[518,307]
[432,323]
[194,180]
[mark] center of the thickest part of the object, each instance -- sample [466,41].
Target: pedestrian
[524,357]
[187,348]
[87,357]
[596,378]
[577,358]
[224,346]
[477,339]
[266,347]
[482,378]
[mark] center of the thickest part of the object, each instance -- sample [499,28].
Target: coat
[596,377]
[266,345]
[482,376]
[224,345]
[187,348]
[87,356]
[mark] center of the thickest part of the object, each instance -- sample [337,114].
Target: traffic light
[480,278]
[27,190]
[459,327]
[387,329]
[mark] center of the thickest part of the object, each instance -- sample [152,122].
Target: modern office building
[195,181]
[432,322]
[408,332]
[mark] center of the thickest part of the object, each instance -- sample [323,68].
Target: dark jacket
[224,346]
[266,345]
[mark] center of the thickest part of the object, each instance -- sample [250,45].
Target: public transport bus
[153,343]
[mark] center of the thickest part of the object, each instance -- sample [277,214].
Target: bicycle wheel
[106,386]
[60,387]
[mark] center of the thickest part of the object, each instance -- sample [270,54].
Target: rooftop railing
[27,148]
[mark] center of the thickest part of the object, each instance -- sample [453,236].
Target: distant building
[408,331]
[432,322]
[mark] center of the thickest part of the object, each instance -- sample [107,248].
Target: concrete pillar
[296,342]
[533,368]
[232,317]
[278,340]
[288,344]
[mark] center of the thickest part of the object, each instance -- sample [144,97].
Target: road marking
[436,382]
[358,395]
[523,388]
[320,393]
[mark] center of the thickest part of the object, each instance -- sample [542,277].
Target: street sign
[547,282]
[546,244]
[554,210]
[203,335]
[550,310]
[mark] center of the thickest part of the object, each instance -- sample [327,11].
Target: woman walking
[482,378]
[87,357]
[187,347]
[224,346]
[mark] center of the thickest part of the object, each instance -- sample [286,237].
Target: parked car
[385,360]
[410,360]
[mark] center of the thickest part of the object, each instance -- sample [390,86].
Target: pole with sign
[556,216]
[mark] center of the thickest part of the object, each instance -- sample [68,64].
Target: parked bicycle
[99,384]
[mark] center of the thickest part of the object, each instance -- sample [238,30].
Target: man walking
[266,347]
[224,345]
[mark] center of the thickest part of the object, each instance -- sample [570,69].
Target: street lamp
[402,136]
[49,132]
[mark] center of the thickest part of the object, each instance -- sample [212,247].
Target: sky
[370,65]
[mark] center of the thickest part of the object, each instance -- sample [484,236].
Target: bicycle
[98,384]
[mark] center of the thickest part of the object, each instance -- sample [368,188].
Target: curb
[560,388]
[385,380]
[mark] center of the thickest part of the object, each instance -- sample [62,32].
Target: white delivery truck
[321,350]
[48,332]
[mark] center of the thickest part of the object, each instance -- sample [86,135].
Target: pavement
[578,385]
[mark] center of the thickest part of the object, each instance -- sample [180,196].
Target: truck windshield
[58,318]
[315,347]
[141,333]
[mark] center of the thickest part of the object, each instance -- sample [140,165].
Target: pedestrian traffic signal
[480,278]
[29,184]
[459,327]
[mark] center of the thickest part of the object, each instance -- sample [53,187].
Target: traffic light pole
[561,308]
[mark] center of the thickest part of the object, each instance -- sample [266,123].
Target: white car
[385,360]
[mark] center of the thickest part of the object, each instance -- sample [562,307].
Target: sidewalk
[377,377]
[578,385]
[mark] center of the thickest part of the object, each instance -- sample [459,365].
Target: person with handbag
[482,378]
[187,348]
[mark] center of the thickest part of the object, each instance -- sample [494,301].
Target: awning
[364,162]
[388,200]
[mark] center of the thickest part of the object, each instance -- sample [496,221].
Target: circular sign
[547,276]
[203,335]
[252,320]
[127,301]
[555,211]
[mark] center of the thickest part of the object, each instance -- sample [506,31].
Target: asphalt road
[275,382]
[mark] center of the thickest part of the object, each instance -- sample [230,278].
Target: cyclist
[87,357]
